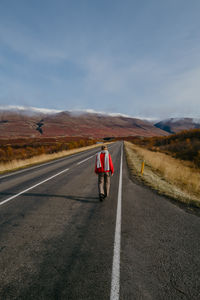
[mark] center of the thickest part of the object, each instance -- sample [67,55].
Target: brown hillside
[68,124]
[175,125]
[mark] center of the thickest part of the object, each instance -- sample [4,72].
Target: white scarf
[106,161]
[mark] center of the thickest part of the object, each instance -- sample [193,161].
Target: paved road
[57,239]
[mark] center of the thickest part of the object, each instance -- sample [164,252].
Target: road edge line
[80,162]
[115,282]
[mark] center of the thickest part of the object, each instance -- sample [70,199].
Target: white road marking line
[14,196]
[80,162]
[27,169]
[32,187]
[115,283]
[42,164]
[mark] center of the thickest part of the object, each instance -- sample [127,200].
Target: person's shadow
[86,199]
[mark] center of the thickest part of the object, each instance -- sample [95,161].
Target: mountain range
[175,125]
[35,123]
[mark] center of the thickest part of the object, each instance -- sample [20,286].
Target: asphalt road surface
[57,241]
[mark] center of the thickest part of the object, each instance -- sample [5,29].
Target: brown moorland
[184,145]
[172,164]
[13,124]
[24,148]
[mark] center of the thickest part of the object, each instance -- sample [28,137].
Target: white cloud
[93,111]
[151,88]
[28,109]
[185,87]
[141,85]
[196,120]
[23,41]
[105,76]
[181,94]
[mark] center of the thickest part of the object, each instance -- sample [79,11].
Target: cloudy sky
[137,57]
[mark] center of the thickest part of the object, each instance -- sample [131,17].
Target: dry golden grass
[19,164]
[168,175]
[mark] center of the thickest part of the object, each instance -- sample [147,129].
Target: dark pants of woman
[104,183]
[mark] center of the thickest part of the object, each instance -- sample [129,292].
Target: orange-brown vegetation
[17,149]
[170,176]
[184,145]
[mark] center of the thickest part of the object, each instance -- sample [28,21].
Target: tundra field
[172,164]
[20,153]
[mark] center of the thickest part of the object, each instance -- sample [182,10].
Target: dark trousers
[104,183]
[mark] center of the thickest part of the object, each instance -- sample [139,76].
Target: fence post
[142,167]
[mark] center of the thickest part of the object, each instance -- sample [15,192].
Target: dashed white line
[32,187]
[41,165]
[80,162]
[115,281]
[44,164]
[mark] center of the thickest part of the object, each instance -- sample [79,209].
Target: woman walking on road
[104,168]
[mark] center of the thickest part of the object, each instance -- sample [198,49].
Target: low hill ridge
[175,125]
[94,125]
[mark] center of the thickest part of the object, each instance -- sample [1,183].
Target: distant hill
[24,124]
[175,125]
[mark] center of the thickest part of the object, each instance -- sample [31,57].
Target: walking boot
[101,197]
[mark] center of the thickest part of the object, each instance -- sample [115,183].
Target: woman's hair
[104,147]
